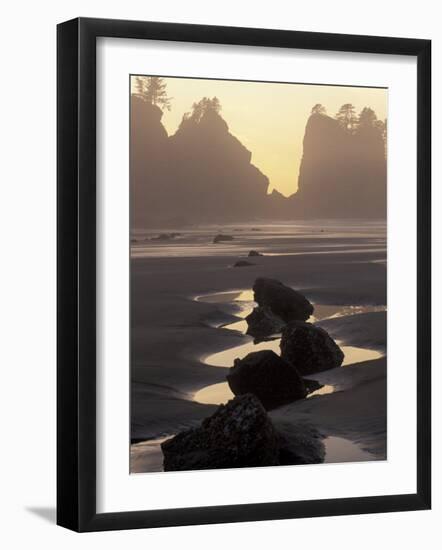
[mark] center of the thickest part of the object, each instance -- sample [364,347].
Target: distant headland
[202,173]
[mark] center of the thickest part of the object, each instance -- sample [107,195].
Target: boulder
[239,434]
[286,303]
[220,238]
[253,253]
[309,348]
[242,263]
[262,322]
[264,374]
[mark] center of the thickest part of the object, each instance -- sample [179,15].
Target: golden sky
[268,118]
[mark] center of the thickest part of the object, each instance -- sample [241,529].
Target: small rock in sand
[253,253]
[242,263]
[220,238]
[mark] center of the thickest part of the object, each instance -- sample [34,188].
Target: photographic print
[258,273]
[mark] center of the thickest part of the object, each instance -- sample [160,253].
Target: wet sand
[172,332]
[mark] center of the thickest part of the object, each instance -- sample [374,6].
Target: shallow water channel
[147,456]
[220,393]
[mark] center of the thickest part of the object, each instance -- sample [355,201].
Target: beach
[188,302]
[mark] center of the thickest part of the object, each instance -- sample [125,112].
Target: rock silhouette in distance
[203,173]
[342,174]
[220,238]
[242,263]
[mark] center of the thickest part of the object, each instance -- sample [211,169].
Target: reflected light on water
[216,394]
[325,390]
[226,358]
[221,393]
[226,297]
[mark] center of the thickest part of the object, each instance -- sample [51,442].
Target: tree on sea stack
[318,109]
[367,118]
[204,106]
[152,89]
[346,116]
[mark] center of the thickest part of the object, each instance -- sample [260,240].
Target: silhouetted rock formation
[237,435]
[255,253]
[309,348]
[216,179]
[261,322]
[204,174]
[342,173]
[263,373]
[283,301]
[200,174]
[148,161]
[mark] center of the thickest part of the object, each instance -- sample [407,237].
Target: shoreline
[163,379]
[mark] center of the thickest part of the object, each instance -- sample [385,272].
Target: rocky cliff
[342,173]
[149,161]
[203,173]
[200,174]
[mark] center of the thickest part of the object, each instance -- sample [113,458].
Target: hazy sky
[269,119]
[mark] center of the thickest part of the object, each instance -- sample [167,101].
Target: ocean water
[306,237]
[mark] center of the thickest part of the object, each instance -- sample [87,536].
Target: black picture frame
[76,274]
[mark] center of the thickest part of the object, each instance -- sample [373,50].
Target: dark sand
[171,331]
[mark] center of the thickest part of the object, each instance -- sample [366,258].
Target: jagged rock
[309,348]
[148,162]
[262,322]
[242,263]
[220,238]
[239,434]
[286,303]
[342,174]
[263,373]
[203,173]
[255,253]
